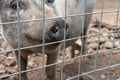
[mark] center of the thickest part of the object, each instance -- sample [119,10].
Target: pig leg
[51,70]
[23,63]
[84,39]
[84,45]
[85,29]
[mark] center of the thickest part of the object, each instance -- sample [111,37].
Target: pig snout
[59,30]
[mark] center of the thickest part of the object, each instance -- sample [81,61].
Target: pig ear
[50,1]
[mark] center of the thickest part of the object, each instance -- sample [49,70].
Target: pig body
[31,32]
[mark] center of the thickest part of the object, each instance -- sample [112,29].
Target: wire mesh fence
[39,33]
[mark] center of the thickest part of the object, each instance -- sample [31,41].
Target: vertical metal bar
[97,52]
[110,60]
[43,36]
[19,39]
[83,24]
[62,70]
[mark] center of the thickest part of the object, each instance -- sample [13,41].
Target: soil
[95,66]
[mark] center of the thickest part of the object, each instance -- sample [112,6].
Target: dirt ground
[87,65]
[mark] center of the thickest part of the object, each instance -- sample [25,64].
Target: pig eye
[50,1]
[13,5]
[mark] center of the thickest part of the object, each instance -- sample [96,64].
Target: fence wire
[63,61]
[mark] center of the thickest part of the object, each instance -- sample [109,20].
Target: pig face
[33,25]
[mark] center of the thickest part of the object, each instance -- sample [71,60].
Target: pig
[27,18]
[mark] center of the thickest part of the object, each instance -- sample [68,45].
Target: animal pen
[102,62]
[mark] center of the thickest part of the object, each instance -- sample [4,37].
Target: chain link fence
[102,61]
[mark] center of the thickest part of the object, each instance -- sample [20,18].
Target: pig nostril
[55,29]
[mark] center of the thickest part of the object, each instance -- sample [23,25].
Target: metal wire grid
[43,47]
[19,40]
[79,57]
